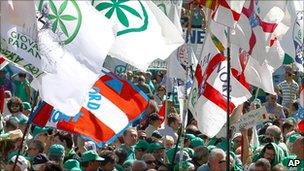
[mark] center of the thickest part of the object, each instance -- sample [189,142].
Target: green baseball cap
[197,142]
[142,144]
[38,130]
[210,147]
[128,163]
[190,136]
[155,146]
[72,165]
[27,106]
[90,155]
[56,150]
[293,138]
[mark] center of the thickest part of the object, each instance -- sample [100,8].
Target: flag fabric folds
[230,10]
[111,106]
[144,32]
[78,64]
[85,33]
[19,36]
[208,98]
[292,41]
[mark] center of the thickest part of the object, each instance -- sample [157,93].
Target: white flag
[67,87]
[19,36]
[85,33]
[259,26]
[144,33]
[292,41]
[86,45]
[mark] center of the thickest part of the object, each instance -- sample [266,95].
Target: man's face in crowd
[175,125]
[131,137]
[269,154]
[269,135]
[219,163]
[32,151]
[151,162]
[94,165]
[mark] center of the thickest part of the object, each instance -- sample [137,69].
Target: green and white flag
[144,33]
[19,36]
[85,33]
[292,41]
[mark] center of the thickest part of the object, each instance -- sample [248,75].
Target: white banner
[252,118]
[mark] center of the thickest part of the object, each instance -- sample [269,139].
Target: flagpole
[185,108]
[26,129]
[228,101]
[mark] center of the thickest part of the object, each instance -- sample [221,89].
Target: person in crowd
[22,164]
[172,126]
[72,164]
[139,165]
[272,152]
[201,155]
[274,134]
[274,109]
[56,154]
[158,151]
[148,76]
[90,160]
[262,165]
[149,160]
[109,162]
[66,140]
[155,122]
[160,94]
[141,148]
[143,85]
[130,138]
[35,148]
[129,76]
[23,90]
[168,142]
[216,161]
[39,161]
[15,108]
[288,89]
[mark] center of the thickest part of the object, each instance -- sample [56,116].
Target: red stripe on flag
[198,75]
[268,27]
[88,125]
[130,101]
[236,15]
[252,42]
[43,114]
[213,63]
[217,98]
[2,59]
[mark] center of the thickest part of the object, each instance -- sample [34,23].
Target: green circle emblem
[126,12]
[62,14]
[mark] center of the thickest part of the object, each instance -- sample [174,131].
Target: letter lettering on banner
[252,118]
[94,97]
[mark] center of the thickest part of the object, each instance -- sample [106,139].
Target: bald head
[273,132]
[139,165]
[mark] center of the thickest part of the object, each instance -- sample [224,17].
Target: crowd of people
[152,144]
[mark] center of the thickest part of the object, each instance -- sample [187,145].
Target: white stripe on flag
[109,114]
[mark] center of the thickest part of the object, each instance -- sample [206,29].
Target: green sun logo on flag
[63,13]
[131,15]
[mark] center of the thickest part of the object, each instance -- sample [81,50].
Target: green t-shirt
[21,90]
[130,152]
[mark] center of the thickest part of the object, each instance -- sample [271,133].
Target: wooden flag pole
[228,101]
[26,130]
